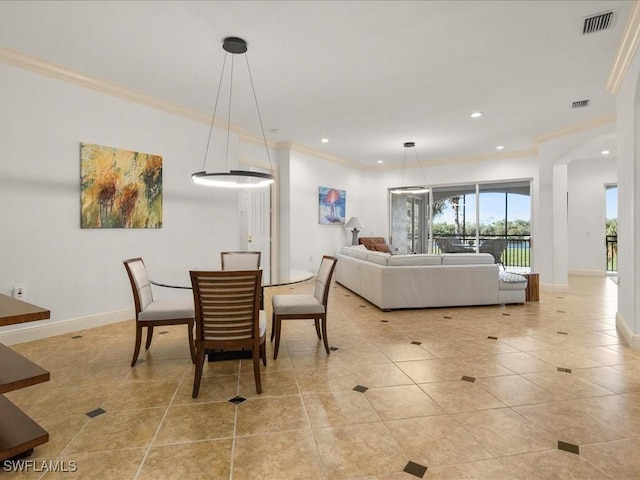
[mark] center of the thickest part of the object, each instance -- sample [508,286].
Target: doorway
[611,228]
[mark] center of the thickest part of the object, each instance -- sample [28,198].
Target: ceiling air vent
[580,104]
[596,23]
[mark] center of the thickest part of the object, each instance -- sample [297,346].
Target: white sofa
[424,280]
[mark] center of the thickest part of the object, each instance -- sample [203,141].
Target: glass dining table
[182,280]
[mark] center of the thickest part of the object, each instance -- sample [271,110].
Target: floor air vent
[595,23]
[580,104]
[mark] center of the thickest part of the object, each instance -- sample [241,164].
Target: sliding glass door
[490,217]
[409,221]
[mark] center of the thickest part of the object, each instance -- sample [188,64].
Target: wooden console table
[19,434]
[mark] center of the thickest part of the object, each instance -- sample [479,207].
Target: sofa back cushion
[467,258]
[380,258]
[359,252]
[420,259]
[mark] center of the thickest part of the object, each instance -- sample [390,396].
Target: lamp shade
[354,222]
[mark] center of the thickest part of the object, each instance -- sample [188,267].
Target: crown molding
[626,50]
[325,156]
[76,77]
[580,127]
[256,141]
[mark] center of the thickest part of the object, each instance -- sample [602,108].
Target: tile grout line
[235,421]
[155,435]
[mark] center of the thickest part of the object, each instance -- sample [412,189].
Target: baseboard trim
[30,332]
[587,272]
[554,287]
[631,338]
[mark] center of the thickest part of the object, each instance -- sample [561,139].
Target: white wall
[77,273]
[587,222]
[309,240]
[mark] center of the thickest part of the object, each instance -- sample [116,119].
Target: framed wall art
[332,204]
[119,188]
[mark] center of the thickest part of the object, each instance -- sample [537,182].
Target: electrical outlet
[18,291]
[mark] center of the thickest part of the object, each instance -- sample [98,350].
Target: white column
[550,229]
[628,119]
[282,214]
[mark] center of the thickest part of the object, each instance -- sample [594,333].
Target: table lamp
[355,224]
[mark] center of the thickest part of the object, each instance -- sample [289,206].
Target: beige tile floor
[503,422]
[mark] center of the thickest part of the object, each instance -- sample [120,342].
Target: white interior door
[255,224]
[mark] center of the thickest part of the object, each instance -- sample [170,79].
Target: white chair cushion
[296,304]
[263,323]
[168,309]
[139,273]
[241,261]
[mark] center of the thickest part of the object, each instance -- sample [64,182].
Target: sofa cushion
[511,281]
[380,258]
[420,259]
[369,242]
[467,258]
[381,247]
[355,252]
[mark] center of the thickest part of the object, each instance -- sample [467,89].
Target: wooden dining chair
[243,260]
[228,317]
[154,313]
[288,307]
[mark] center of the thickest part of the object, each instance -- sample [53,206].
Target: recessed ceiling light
[605,152]
[325,140]
[500,147]
[476,114]
[380,161]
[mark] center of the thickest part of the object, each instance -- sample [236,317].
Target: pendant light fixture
[416,190]
[233,178]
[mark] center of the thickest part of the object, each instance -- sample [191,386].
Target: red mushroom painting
[332,206]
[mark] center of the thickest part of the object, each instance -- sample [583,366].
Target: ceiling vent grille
[580,104]
[596,23]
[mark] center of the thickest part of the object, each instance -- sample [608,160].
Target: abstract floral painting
[332,206]
[120,188]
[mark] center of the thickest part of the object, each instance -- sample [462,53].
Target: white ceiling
[369,76]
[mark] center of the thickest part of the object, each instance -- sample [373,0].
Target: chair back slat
[139,279]
[323,279]
[227,304]
[240,260]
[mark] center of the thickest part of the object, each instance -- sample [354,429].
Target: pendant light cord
[404,165]
[255,98]
[424,178]
[215,108]
[226,153]
[213,118]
